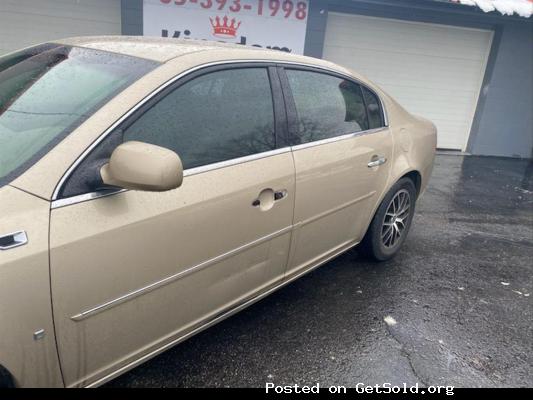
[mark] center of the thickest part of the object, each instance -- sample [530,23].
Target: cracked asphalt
[459,292]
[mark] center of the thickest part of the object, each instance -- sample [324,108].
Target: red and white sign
[275,24]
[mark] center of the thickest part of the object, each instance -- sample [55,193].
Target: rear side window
[327,106]
[375,114]
[216,117]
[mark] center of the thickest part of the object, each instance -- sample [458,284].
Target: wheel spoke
[392,237]
[405,208]
[401,200]
[395,219]
[390,228]
[396,235]
[388,237]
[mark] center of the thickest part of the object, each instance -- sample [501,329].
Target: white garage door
[27,22]
[435,71]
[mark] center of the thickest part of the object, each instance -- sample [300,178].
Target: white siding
[27,22]
[434,71]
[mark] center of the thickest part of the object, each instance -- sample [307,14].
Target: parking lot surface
[455,307]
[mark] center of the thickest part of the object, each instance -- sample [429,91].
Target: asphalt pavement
[455,307]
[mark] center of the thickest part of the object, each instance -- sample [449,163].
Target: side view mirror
[143,166]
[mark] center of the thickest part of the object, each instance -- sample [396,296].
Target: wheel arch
[416,177]
[412,174]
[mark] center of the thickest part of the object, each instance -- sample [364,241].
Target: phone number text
[273,8]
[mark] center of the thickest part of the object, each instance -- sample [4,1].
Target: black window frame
[380,105]
[108,141]
[292,113]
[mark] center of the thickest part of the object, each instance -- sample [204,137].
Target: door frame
[278,108]
[292,114]
[280,124]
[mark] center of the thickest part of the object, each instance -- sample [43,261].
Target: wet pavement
[460,292]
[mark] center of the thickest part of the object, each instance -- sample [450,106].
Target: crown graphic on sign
[224,27]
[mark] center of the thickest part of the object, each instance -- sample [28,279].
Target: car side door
[133,272]
[341,146]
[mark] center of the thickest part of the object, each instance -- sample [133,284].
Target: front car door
[337,132]
[137,270]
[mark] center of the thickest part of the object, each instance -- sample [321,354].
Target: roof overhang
[523,8]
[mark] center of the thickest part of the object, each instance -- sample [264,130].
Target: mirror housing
[142,166]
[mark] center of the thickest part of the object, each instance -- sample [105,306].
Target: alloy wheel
[396,217]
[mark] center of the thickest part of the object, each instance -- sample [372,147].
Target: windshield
[48,91]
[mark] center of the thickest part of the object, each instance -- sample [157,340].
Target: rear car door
[133,271]
[341,146]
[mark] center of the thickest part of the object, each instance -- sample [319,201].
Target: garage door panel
[379,42]
[379,64]
[433,70]
[56,25]
[73,9]
[418,96]
[413,36]
[27,22]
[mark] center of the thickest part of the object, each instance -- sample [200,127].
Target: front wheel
[391,223]
[5,379]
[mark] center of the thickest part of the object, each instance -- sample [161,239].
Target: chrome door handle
[377,161]
[268,197]
[12,240]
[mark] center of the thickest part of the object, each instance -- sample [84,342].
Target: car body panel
[25,304]
[335,191]
[186,255]
[118,263]
[415,141]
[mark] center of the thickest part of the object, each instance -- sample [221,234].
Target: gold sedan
[150,188]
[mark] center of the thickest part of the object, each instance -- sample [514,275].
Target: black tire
[6,381]
[377,244]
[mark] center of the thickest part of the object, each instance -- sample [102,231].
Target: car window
[375,115]
[47,91]
[327,106]
[216,117]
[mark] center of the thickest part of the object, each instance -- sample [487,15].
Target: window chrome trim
[56,203]
[85,197]
[337,138]
[384,110]
[234,161]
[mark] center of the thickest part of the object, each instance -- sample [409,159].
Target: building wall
[502,125]
[132,17]
[27,22]
[503,121]
[505,125]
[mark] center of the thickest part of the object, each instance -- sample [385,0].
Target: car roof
[166,49]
